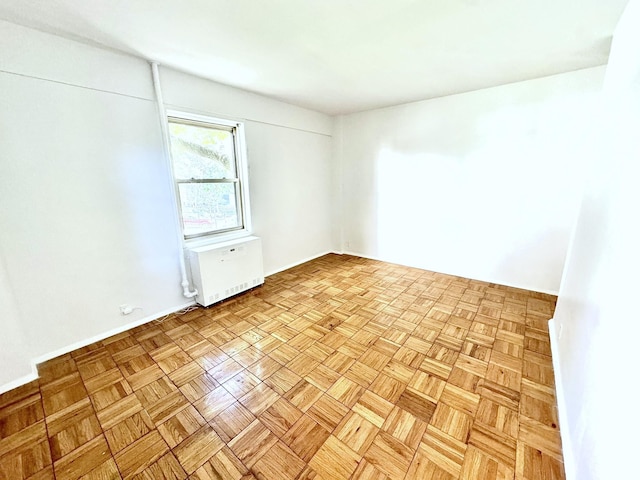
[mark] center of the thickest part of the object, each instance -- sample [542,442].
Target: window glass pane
[208,207]
[201,152]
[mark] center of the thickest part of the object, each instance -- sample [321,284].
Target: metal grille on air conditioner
[222,270]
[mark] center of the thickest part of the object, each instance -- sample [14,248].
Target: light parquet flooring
[341,368]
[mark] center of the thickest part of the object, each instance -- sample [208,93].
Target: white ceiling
[341,56]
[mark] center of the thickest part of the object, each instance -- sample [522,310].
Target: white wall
[86,222]
[596,321]
[86,215]
[16,368]
[290,165]
[481,185]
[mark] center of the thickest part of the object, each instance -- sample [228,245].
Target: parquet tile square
[423,468]
[224,465]
[248,356]
[166,407]
[388,388]
[186,373]
[479,465]
[443,450]
[198,387]
[328,412]
[241,384]
[303,395]
[95,364]
[533,464]
[110,394]
[118,411]
[140,454]
[403,426]
[504,376]
[225,370]
[180,426]
[346,391]
[207,354]
[253,442]
[417,405]
[214,403]
[459,398]
[25,452]
[282,380]
[72,427]
[83,460]
[262,397]
[356,432]
[53,370]
[542,437]
[264,367]
[124,355]
[284,353]
[305,437]
[166,467]
[145,377]
[334,460]
[279,463]
[62,393]
[106,379]
[390,456]
[198,448]
[21,414]
[498,417]
[341,368]
[128,431]
[232,421]
[280,417]
[494,443]
[453,422]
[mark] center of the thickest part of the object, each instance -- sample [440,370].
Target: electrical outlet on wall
[126,309]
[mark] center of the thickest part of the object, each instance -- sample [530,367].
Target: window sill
[215,239]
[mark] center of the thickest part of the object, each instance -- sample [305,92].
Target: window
[209,171]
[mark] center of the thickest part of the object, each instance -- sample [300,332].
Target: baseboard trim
[109,333]
[19,382]
[295,264]
[83,343]
[567,450]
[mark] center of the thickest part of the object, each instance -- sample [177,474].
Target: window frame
[241,179]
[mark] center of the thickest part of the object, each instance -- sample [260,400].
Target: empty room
[319,240]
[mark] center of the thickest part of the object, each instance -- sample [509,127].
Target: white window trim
[243,174]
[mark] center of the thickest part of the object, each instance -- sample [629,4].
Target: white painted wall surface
[14,350]
[482,185]
[596,318]
[86,213]
[210,98]
[290,165]
[37,54]
[290,184]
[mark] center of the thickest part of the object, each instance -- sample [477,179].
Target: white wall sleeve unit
[225,269]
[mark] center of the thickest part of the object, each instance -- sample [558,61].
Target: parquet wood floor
[341,368]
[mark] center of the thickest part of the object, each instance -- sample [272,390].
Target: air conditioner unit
[225,269]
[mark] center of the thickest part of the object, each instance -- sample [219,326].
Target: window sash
[208,180]
[238,186]
[239,211]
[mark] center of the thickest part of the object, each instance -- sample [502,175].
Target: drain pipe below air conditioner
[166,151]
